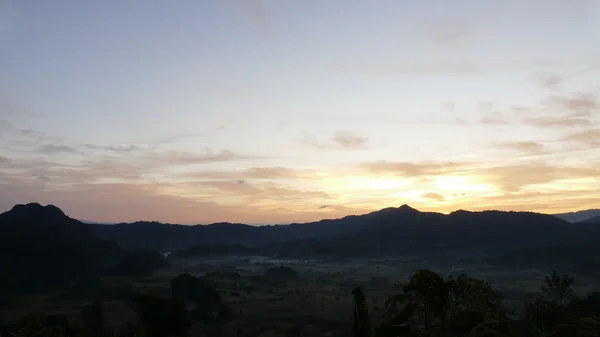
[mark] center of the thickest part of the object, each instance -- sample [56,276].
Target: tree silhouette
[558,288]
[432,293]
[159,317]
[204,296]
[93,320]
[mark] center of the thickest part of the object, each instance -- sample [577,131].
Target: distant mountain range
[586,215]
[402,223]
[52,241]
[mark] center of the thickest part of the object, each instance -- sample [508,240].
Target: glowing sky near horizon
[280,111]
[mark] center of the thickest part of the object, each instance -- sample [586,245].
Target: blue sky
[279,111]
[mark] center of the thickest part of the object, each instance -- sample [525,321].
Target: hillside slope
[43,249]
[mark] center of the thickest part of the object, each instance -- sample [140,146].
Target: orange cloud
[587,137]
[529,147]
[261,173]
[515,177]
[433,196]
[408,169]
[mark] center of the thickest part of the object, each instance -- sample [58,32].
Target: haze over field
[279,111]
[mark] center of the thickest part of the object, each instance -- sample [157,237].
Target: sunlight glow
[374,183]
[459,184]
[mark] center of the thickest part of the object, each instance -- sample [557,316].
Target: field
[319,303]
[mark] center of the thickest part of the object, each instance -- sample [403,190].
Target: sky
[289,111]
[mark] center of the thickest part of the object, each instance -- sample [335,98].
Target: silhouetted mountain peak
[406,208]
[34,212]
[402,210]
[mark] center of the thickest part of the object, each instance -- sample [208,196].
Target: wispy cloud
[513,178]
[408,169]
[548,80]
[349,140]
[259,13]
[260,192]
[179,158]
[529,147]
[53,148]
[580,103]
[558,111]
[433,196]
[490,114]
[589,137]
[115,148]
[558,121]
[340,140]
[261,173]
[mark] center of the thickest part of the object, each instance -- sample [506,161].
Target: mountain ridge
[59,252]
[383,224]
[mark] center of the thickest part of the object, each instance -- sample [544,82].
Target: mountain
[393,230]
[580,258]
[167,237]
[43,249]
[405,231]
[595,219]
[579,216]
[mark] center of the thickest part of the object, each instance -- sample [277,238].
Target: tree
[432,293]
[395,322]
[362,326]
[203,295]
[159,317]
[42,325]
[92,316]
[558,288]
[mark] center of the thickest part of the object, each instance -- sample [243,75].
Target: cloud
[259,14]
[490,114]
[529,147]
[589,137]
[564,121]
[580,104]
[408,169]
[115,148]
[513,178]
[340,140]
[53,148]
[180,158]
[494,118]
[261,173]
[540,201]
[4,160]
[548,81]
[348,140]
[259,192]
[323,206]
[433,196]
[566,111]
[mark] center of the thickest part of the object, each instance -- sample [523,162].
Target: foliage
[398,312]
[159,317]
[92,316]
[558,288]
[203,295]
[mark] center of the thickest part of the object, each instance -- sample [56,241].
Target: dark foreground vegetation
[428,304]
[360,274]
